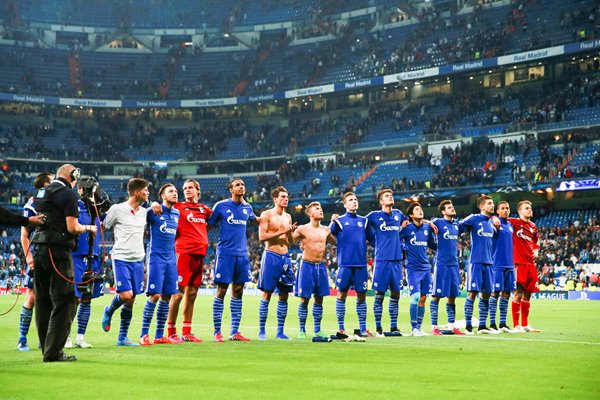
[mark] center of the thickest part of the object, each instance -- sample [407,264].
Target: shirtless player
[312,273]
[276,271]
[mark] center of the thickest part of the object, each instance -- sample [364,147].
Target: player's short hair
[163,188]
[235,178]
[522,203]
[382,192]
[411,208]
[42,179]
[443,204]
[482,199]
[279,189]
[136,184]
[193,182]
[346,195]
[500,203]
[311,205]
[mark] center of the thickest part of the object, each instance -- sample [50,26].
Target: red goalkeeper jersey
[525,241]
[192,236]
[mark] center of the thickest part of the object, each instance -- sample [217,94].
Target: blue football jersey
[82,241]
[417,239]
[386,228]
[352,233]
[163,229]
[482,238]
[233,218]
[503,245]
[447,242]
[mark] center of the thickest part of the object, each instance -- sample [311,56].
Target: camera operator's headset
[75,175]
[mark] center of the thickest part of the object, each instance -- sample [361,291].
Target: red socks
[187,328]
[171,329]
[516,310]
[525,305]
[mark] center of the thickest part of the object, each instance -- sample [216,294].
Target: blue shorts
[504,279]
[129,276]
[311,280]
[162,274]
[419,281]
[29,279]
[276,272]
[352,277]
[387,275]
[232,269]
[80,266]
[446,281]
[479,278]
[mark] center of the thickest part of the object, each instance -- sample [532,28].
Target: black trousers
[55,303]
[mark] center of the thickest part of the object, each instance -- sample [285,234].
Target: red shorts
[190,268]
[527,277]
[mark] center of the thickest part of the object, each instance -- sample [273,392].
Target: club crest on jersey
[360,224]
[396,218]
[245,211]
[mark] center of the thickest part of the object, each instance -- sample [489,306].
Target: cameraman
[55,295]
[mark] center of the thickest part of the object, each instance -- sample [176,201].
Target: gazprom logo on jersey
[383,227]
[232,221]
[522,235]
[482,232]
[415,242]
[448,236]
[191,219]
[165,229]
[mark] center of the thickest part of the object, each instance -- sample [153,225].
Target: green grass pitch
[560,362]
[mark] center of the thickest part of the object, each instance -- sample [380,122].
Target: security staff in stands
[55,296]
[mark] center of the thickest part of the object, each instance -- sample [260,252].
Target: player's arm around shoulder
[330,237]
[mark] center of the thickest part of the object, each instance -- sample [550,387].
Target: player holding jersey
[503,271]
[161,266]
[479,272]
[352,233]
[526,249]
[446,275]
[417,236]
[232,265]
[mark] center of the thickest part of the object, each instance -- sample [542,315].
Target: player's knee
[127,296]
[414,298]
[379,297]
[343,295]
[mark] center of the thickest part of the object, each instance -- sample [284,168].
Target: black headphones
[75,174]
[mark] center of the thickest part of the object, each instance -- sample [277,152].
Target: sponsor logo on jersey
[483,233]
[523,235]
[383,227]
[191,219]
[165,229]
[232,221]
[448,236]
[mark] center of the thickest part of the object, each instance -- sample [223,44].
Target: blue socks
[469,311]
[162,314]
[340,312]
[484,305]
[25,320]
[218,306]
[114,305]
[83,317]
[433,310]
[235,306]
[126,314]
[361,311]
[263,313]
[147,316]
[302,315]
[414,315]
[317,316]
[451,311]
[378,309]
[503,310]
[282,309]
[420,315]
[393,309]
[493,306]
